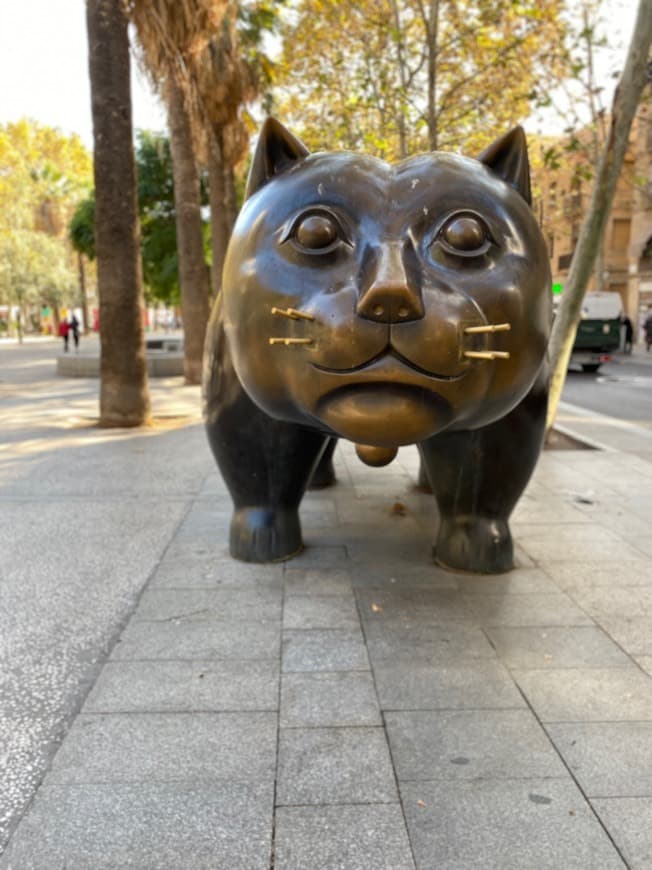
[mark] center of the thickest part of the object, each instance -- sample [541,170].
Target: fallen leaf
[398,509]
[376,608]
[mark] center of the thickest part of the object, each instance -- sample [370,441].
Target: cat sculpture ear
[277,149]
[507,157]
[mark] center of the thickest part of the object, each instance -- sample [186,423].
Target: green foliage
[43,174]
[82,227]
[157,218]
[35,268]
[396,77]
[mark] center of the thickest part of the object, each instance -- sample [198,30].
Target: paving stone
[470,744]
[392,641]
[587,694]
[520,581]
[326,649]
[200,605]
[564,533]
[645,662]
[526,610]
[320,611]
[167,747]
[540,507]
[318,514]
[370,548]
[355,837]
[147,826]
[548,551]
[633,634]
[633,602]
[608,759]
[556,647]
[190,548]
[199,640]
[401,575]
[146,687]
[210,573]
[518,824]
[328,700]
[576,575]
[629,821]
[317,581]
[463,686]
[427,606]
[334,766]
[315,555]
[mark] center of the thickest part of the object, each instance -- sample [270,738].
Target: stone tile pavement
[360,708]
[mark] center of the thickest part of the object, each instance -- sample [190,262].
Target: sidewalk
[358,707]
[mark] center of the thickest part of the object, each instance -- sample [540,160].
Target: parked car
[598,333]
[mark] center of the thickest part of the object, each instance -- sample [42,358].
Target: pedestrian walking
[629,333]
[647,326]
[64,331]
[74,328]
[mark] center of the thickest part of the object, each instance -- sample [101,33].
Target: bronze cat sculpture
[388,305]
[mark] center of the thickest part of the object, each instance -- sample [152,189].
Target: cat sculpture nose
[391,297]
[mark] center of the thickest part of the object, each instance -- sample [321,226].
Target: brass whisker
[288,341]
[292,313]
[490,327]
[486,354]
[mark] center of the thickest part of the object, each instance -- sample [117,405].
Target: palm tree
[169,34]
[124,392]
[224,81]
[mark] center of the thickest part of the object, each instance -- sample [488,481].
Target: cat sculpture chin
[388,305]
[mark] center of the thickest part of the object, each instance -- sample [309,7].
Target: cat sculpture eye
[317,231]
[464,234]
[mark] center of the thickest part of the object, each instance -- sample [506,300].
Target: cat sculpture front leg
[266,464]
[477,477]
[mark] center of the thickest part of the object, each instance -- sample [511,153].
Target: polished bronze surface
[375,456]
[388,305]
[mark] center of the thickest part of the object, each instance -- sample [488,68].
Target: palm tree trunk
[124,393]
[231,199]
[193,271]
[220,230]
[83,293]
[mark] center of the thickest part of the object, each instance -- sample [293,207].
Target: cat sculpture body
[388,305]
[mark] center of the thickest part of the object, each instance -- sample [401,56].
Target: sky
[44,69]
[44,65]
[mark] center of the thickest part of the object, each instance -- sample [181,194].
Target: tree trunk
[231,199]
[432,28]
[124,393]
[84,294]
[193,271]
[220,231]
[626,98]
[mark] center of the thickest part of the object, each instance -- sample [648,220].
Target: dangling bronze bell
[375,456]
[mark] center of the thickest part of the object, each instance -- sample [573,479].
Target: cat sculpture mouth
[389,362]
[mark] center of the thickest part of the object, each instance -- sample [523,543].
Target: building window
[620,235]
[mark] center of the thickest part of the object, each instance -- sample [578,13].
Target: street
[621,388]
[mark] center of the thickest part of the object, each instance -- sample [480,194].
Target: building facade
[624,265]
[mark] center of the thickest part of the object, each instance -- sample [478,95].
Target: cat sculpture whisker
[486,354]
[490,327]
[288,341]
[292,313]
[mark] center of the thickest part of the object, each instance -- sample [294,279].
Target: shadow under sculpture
[387,305]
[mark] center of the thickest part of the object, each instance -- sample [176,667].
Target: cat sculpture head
[386,303]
